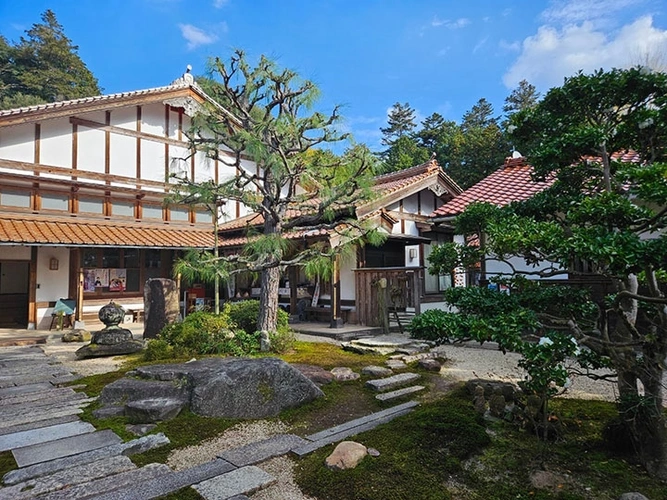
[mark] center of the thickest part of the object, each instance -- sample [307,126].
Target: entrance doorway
[14,280]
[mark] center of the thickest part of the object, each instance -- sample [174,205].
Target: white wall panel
[14,253]
[152,117]
[18,143]
[347,285]
[204,167]
[56,143]
[90,147]
[123,156]
[152,161]
[125,118]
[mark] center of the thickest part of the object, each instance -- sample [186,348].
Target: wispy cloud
[577,11]
[219,4]
[480,44]
[514,46]
[461,22]
[196,36]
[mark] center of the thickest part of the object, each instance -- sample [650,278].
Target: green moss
[186,493]
[329,356]
[7,463]
[186,430]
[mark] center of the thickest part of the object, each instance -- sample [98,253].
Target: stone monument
[160,304]
[112,340]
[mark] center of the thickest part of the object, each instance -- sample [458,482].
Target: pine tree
[525,96]
[401,122]
[43,67]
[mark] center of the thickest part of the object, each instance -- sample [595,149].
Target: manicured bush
[433,324]
[244,315]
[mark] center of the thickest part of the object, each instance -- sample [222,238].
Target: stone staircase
[61,457]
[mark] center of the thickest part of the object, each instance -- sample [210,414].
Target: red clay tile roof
[26,229]
[394,181]
[510,183]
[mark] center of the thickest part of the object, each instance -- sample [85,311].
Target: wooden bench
[323,313]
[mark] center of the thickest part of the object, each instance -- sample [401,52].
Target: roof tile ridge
[429,166]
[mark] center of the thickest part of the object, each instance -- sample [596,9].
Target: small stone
[373,452]
[497,405]
[140,429]
[109,412]
[376,371]
[479,401]
[153,410]
[315,374]
[347,455]
[342,373]
[633,495]
[429,364]
[73,336]
[396,364]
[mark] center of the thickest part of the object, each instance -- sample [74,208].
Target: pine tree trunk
[268,302]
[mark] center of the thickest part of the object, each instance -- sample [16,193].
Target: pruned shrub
[433,325]
[244,315]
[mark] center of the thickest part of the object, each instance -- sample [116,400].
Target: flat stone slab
[386,384]
[140,445]
[356,426]
[262,450]
[376,371]
[24,389]
[36,424]
[396,364]
[67,478]
[94,489]
[44,452]
[387,396]
[241,481]
[168,483]
[44,434]
[416,357]
[151,410]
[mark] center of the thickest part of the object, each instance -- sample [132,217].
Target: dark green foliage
[7,462]
[231,333]
[418,453]
[244,314]
[433,325]
[43,67]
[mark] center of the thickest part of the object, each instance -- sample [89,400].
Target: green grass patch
[7,463]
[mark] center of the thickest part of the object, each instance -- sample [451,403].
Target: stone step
[262,450]
[241,481]
[49,393]
[388,383]
[64,447]
[34,400]
[139,445]
[36,417]
[387,396]
[68,478]
[59,378]
[169,483]
[356,426]
[44,434]
[36,424]
[27,413]
[95,489]
[24,389]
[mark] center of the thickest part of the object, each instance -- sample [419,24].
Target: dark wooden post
[336,320]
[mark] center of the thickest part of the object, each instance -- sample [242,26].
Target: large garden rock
[216,387]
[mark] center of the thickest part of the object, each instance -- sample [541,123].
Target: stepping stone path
[61,457]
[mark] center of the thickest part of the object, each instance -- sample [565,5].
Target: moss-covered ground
[441,450]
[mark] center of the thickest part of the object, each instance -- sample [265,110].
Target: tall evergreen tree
[524,96]
[43,67]
[401,122]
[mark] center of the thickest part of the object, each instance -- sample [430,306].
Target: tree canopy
[43,67]
[603,220]
[264,113]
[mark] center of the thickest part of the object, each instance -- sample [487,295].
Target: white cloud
[196,36]
[462,22]
[219,4]
[552,54]
[577,11]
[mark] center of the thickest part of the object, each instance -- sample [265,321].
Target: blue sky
[439,56]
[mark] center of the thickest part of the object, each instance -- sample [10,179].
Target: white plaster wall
[152,117]
[411,204]
[173,124]
[429,202]
[90,149]
[204,167]
[125,118]
[412,262]
[152,161]
[347,285]
[56,143]
[123,156]
[437,305]
[51,285]
[14,253]
[17,142]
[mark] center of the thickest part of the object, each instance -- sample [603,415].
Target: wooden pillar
[32,290]
[293,290]
[336,319]
[79,297]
